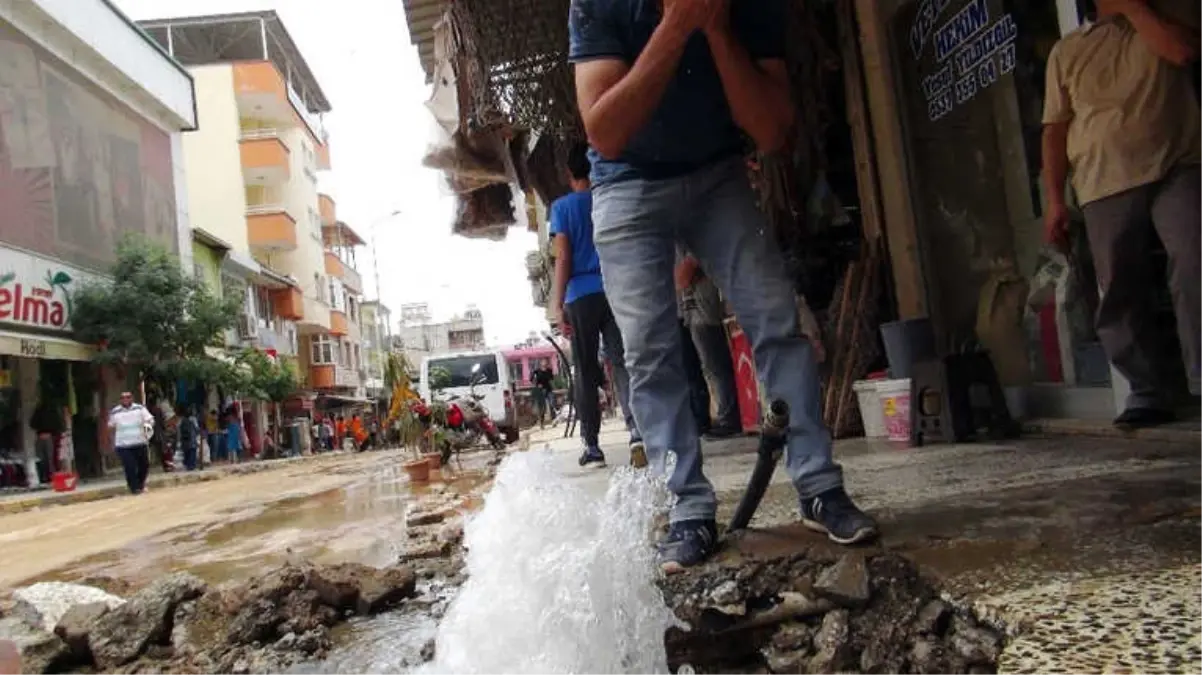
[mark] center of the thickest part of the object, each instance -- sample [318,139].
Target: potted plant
[410,430]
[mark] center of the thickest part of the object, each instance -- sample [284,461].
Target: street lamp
[375,260]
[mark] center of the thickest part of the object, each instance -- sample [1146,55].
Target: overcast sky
[359,51]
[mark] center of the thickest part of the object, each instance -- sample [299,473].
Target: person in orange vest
[339,432]
[358,432]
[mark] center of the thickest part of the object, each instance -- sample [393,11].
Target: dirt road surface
[35,543]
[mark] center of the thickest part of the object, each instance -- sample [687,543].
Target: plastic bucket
[870,408]
[895,408]
[908,342]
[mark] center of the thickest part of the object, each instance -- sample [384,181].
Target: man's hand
[687,16]
[1055,225]
[719,18]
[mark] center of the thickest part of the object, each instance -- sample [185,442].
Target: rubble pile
[819,612]
[180,624]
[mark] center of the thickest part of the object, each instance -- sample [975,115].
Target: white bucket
[895,408]
[870,408]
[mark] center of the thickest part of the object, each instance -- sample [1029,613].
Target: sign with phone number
[972,52]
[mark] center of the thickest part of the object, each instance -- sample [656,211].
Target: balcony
[265,157]
[271,228]
[350,278]
[338,323]
[289,303]
[322,376]
[323,155]
[329,376]
[261,91]
[325,206]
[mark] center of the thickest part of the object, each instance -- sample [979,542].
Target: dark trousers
[190,455]
[594,328]
[135,459]
[714,352]
[1120,238]
[699,392]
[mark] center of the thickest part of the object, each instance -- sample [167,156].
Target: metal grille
[514,58]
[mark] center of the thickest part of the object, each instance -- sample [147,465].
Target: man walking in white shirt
[132,426]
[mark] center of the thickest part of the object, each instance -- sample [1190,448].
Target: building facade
[376,325]
[422,337]
[91,150]
[263,226]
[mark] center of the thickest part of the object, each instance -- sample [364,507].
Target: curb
[158,480]
[1093,429]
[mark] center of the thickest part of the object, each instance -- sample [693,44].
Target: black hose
[774,433]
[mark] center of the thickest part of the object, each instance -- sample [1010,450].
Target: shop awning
[44,347]
[240,264]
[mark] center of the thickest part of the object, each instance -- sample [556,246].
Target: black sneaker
[638,453]
[687,543]
[834,514]
[722,431]
[1143,418]
[592,457]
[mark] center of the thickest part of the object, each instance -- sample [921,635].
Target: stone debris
[845,583]
[76,625]
[41,651]
[125,632]
[813,612]
[44,603]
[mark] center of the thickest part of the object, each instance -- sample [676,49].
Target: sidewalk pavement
[1086,548]
[106,488]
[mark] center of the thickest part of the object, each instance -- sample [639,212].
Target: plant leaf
[61,279]
[4,279]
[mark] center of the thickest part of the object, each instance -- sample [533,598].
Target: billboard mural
[78,169]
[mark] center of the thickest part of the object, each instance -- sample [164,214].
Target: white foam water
[559,581]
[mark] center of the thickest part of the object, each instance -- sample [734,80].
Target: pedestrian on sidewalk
[702,312]
[1121,112]
[189,437]
[666,91]
[132,426]
[583,313]
[235,437]
[544,394]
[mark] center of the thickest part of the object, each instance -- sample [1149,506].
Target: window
[263,305]
[358,356]
[199,271]
[322,350]
[460,369]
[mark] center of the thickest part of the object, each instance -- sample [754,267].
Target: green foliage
[153,319]
[267,380]
[440,378]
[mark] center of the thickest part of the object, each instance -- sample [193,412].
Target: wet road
[323,510]
[1088,548]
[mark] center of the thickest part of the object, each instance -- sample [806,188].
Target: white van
[492,383]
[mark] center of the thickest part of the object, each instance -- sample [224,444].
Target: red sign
[745,378]
[34,306]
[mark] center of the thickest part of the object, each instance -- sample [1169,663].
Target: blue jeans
[713,213]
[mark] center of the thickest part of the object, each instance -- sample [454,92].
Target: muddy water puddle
[363,521]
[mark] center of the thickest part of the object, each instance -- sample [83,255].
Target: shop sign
[36,292]
[971,51]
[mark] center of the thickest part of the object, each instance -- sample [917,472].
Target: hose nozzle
[776,419]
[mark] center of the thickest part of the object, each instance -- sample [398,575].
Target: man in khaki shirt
[1120,110]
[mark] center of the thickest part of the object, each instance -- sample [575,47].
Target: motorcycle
[463,422]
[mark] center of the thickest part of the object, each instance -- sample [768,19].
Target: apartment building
[261,222]
[91,114]
[376,323]
[422,337]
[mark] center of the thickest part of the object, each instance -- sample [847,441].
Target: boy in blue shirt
[667,89]
[583,312]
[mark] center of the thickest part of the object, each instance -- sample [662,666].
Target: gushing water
[558,581]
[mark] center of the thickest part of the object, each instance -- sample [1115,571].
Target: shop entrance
[973,75]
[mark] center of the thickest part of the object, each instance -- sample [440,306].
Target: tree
[153,321]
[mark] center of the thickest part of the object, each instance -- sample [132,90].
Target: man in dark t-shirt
[667,89]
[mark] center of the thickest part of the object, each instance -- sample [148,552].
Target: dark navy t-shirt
[572,217]
[693,124]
